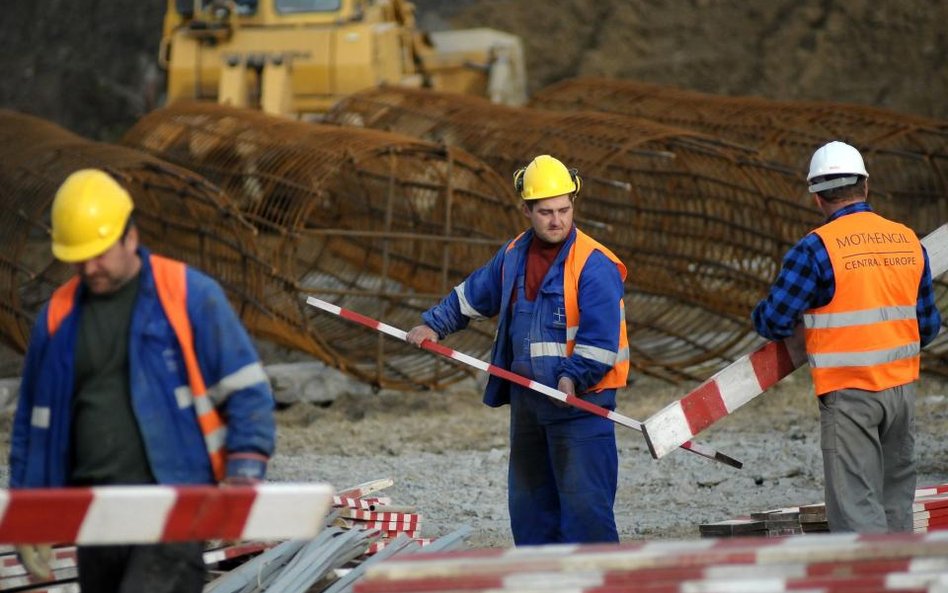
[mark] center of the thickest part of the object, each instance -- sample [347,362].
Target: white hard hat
[838,159]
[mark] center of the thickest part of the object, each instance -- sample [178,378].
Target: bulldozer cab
[298,57]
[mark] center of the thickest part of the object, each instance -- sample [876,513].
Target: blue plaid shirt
[806,281]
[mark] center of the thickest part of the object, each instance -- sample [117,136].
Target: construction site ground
[447,453]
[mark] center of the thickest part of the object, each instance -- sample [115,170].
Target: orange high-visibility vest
[867,336]
[579,252]
[573,267]
[171,286]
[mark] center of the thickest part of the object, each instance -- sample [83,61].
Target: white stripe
[325,306]
[664,548]
[738,384]
[249,375]
[863,359]
[538,349]
[601,355]
[668,428]
[466,309]
[559,581]
[122,514]
[280,512]
[730,571]
[215,441]
[571,332]
[40,417]
[761,585]
[905,580]
[203,405]
[182,394]
[862,317]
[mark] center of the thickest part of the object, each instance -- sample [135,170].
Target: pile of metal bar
[906,155]
[378,223]
[176,211]
[702,225]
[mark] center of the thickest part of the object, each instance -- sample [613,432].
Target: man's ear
[131,238]
[525,209]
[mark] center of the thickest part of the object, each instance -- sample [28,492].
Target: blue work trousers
[564,463]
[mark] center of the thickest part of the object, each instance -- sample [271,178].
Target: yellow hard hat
[546,177]
[89,214]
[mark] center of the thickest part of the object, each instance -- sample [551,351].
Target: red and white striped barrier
[556,394]
[379,515]
[378,546]
[362,489]
[747,377]
[366,504]
[836,562]
[148,514]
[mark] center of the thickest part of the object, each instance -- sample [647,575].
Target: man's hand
[419,334]
[566,386]
[35,558]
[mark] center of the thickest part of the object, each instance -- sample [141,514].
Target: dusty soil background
[89,65]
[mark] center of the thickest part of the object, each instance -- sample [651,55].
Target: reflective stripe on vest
[867,336]
[576,259]
[171,287]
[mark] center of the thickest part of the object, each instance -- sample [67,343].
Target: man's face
[551,218]
[106,273]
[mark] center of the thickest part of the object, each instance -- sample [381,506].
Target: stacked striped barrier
[844,563]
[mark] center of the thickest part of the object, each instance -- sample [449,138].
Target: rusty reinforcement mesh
[906,155]
[176,211]
[378,223]
[703,223]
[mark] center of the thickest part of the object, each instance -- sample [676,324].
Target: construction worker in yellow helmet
[860,289]
[563,468]
[116,385]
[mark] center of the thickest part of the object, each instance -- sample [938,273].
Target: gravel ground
[447,454]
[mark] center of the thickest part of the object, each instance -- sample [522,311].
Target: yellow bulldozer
[297,57]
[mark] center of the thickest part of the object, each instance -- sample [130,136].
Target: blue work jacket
[174,444]
[488,290]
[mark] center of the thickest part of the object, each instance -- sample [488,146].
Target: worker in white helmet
[860,289]
[563,469]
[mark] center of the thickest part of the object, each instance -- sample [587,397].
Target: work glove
[35,558]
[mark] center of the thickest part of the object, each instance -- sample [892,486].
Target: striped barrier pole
[747,377]
[813,555]
[556,394]
[150,514]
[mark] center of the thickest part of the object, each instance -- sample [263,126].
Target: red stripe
[771,363]
[703,406]
[929,505]
[359,318]
[209,513]
[862,567]
[27,516]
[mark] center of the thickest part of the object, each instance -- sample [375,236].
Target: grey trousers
[868,441]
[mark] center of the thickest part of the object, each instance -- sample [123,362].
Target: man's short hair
[847,192]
